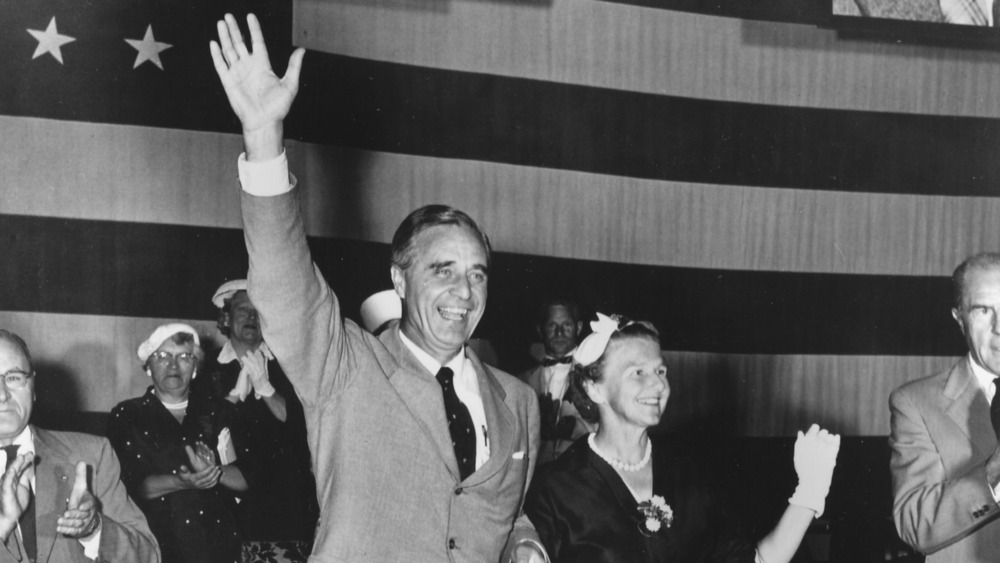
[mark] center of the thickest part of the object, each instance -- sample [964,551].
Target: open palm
[257,95]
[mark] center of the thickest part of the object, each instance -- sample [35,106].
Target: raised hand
[255,364]
[201,456]
[815,457]
[82,517]
[260,99]
[15,493]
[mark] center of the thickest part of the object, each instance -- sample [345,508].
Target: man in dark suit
[422,452]
[945,458]
[49,512]
[558,324]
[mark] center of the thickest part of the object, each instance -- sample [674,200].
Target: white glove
[255,365]
[815,458]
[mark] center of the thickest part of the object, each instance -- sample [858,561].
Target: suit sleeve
[931,509]
[300,315]
[125,535]
[524,530]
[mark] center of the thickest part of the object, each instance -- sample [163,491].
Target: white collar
[25,442]
[456,364]
[983,377]
[228,353]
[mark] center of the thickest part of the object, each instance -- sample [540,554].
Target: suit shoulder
[921,387]
[510,383]
[74,441]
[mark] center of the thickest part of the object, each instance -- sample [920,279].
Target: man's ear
[957,315]
[579,329]
[398,281]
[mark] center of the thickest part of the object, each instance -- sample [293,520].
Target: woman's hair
[594,372]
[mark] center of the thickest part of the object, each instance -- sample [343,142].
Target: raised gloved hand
[255,365]
[815,458]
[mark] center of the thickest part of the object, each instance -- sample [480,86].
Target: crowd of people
[398,442]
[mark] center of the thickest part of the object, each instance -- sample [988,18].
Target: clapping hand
[82,518]
[815,458]
[15,493]
[255,364]
[204,473]
[258,97]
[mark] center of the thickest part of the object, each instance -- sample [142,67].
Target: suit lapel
[500,421]
[969,409]
[53,484]
[421,394]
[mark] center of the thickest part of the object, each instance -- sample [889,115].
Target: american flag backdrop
[784,205]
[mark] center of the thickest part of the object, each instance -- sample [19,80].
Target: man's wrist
[264,143]
[95,526]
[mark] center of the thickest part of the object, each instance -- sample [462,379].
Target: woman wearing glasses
[179,457]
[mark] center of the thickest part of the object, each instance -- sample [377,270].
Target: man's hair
[424,218]
[594,372]
[18,342]
[960,278]
[542,314]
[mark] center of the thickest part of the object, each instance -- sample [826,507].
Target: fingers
[256,36]
[218,61]
[226,42]
[79,485]
[236,36]
[291,78]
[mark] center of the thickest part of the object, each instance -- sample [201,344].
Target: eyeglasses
[16,379]
[165,358]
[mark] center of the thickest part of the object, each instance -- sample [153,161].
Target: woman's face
[634,389]
[172,367]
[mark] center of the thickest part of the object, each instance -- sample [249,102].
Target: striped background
[784,205]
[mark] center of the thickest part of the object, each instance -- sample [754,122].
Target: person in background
[281,502]
[181,455]
[61,496]
[621,495]
[558,325]
[943,434]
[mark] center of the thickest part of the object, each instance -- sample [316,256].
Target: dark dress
[585,513]
[281,503]
[191,526]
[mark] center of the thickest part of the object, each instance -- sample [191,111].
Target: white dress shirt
[985,381]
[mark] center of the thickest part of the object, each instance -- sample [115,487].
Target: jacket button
[451,543]
[459,491]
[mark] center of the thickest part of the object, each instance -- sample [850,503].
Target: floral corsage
[656,513]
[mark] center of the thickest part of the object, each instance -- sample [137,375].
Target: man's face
[15,404]
[559,332]
[244,323]
[443,290]
[979,317]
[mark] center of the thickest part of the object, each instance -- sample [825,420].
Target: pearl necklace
[617,463]
[173,406]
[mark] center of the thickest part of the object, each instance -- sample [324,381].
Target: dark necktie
[549,362]
[995,407]
[463,435]
[27,520]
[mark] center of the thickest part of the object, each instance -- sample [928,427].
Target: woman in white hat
[179,458]
[620,495]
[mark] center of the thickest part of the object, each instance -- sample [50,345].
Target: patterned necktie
[463,435]
[995,407]
[27,520]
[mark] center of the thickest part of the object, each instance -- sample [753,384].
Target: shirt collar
[25,442]
[983,377]
[428,361]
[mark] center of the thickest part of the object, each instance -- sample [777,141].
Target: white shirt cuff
[996,493]
[92,545]
[265,178]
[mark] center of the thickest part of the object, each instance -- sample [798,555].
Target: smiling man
[421,451]
[945,456]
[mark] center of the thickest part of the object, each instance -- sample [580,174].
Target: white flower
[660,503]
[652,524]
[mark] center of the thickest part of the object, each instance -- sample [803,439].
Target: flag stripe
[88,363]
[399,108]
[162,176]
[146,270]
[662,51]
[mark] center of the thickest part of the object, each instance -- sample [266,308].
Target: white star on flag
[50,41]
[149,49]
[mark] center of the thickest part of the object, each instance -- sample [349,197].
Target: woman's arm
[781,544]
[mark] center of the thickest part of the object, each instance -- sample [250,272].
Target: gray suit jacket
[125,535]
[387,479]
[941,437]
